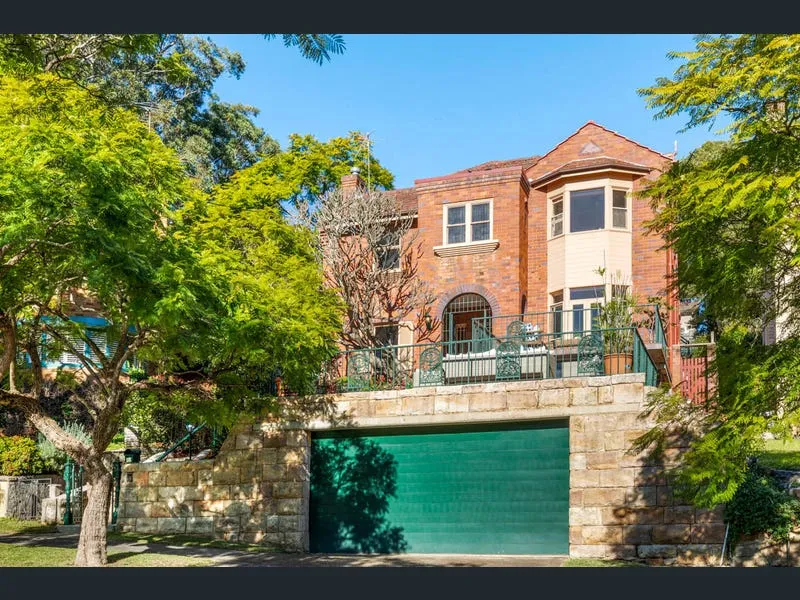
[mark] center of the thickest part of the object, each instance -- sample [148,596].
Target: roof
[526,162]
[589,164]
[406,198]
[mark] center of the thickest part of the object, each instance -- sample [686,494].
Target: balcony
[529,346]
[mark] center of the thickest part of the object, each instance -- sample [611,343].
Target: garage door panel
[502,489]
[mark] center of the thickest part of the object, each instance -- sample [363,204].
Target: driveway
[239,558]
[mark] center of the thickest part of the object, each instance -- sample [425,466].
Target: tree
[169,80]
[206,294]
[731,212]
[370,251]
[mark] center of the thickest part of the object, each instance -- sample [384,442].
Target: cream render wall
[573,258]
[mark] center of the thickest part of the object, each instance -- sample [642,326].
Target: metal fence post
[116,472]
[68,469]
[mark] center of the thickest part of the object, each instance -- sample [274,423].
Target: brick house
[523,239]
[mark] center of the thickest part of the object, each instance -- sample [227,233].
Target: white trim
[467,223]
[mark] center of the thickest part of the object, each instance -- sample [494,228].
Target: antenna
[675,148]
[368,143]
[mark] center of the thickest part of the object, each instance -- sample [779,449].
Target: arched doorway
[459,328]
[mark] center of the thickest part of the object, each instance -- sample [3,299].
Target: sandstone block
[171,525]
[487,401]
[554,397]
[291,456]
[287,489]
[296,438]
[387,408]
[226,477]
[603,496]
[249,441]
[267,456]
[679,514]
[583,396]
[584,479]
[671,534]
[237,509]
[599,534]
[288,506]
[616,478]
[181,478]
[629,393]
[614,440]
[625,515]
[637,534]
[577,461]
[708,533]
[200,525]
[657,551]
[576,498]
[417,405]
[641,496]
[584,516]
[699,555]
[604,460]
[605,395]
[148,525]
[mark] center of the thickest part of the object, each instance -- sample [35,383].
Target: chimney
[352,181]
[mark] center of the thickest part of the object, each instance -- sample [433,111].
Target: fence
[525,355]
[24,496]
[695,381]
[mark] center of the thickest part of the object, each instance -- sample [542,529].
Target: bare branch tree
[371,254]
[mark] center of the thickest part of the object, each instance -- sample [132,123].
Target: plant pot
[618,364]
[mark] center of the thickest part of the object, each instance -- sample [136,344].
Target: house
[521,241]
[504,429]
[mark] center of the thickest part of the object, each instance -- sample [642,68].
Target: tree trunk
[94,523]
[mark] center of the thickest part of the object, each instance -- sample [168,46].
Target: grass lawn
[599,562]
[10,526]
[186,541]
[781,455]
[12,555]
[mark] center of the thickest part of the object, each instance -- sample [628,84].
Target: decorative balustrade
[522,354]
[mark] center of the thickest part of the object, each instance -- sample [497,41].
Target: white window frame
[556,219]
[468,221]
[609,185]
[627,208]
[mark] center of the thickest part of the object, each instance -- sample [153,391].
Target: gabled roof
[526,162]
[590,164]
[611,131]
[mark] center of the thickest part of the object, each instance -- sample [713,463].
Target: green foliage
[18,456]
[760,505]
[730,210]
[53,458]
[169,80]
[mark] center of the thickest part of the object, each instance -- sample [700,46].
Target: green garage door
[470,490]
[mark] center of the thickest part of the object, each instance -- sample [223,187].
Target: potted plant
[616,322]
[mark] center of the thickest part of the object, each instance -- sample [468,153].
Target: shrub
[19,456]
[760,505]
[53,458]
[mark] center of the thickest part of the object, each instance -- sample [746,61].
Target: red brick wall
[499,272]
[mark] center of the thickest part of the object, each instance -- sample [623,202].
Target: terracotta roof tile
[525,162]
[407,198]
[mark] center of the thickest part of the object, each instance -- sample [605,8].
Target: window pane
[587,293]
[480,232]
[587,210]
[621,217]
[387,335]
[480,212]
[389,258]
[577,317]
[558,206]
[456,234]
[455,215]
[620,199]
[557,225]
[557,314]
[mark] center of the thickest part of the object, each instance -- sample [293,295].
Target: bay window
[587,210]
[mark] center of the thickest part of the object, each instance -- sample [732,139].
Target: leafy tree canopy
[169,79]
[731,210]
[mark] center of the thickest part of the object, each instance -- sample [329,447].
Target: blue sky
[435,104]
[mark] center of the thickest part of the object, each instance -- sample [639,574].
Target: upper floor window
[620,209]
[389,252]
[557,220]
[468,222]
[587,210]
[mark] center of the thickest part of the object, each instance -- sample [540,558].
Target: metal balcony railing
[525,354]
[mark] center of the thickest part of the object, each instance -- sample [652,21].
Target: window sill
[470,248]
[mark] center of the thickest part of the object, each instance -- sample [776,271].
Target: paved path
[239,558]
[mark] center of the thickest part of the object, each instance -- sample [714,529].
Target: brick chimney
[353,181]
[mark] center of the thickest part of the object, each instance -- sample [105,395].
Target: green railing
[524,355]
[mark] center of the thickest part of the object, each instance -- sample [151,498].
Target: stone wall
[256,491]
